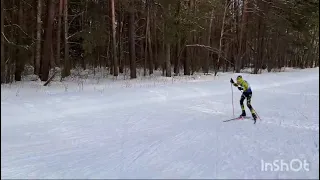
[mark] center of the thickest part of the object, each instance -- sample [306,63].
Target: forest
[177,37]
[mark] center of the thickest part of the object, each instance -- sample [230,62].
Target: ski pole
[257,114]
[232,100]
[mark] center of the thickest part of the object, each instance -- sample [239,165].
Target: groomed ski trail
[173,131]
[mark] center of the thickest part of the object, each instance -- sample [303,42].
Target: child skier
[247,93]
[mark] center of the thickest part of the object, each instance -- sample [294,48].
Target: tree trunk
[3,61]
[177,57]
[163,52]
[148,36]
[155,42]
[114,43]
[187,61]
[176,60]
[261,36]
[67,63]
[192,38]
[236,43]
[146,57]
[58,50]
[188,65]
[311,47]
[12,51]
[206,61]
[19,66]
[168,62]
[38,42]
[132,50]
[46,58]
[242,39]
[120,34]
[217,66]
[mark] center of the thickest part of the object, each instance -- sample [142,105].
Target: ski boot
[254,117]
[243,114]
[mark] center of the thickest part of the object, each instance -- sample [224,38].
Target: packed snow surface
[162,128]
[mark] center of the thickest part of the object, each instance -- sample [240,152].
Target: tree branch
[74,34]
[209,48]
[9,42]
[19,28]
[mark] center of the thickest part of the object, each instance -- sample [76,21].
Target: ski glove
[231,81]
[240,88]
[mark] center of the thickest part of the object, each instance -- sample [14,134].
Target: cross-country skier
[246,93]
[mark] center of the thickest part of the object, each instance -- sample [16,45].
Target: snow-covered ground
[161,128]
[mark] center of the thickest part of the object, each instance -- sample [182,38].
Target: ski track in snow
[172,131]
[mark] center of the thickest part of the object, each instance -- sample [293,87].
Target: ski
[239,118]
